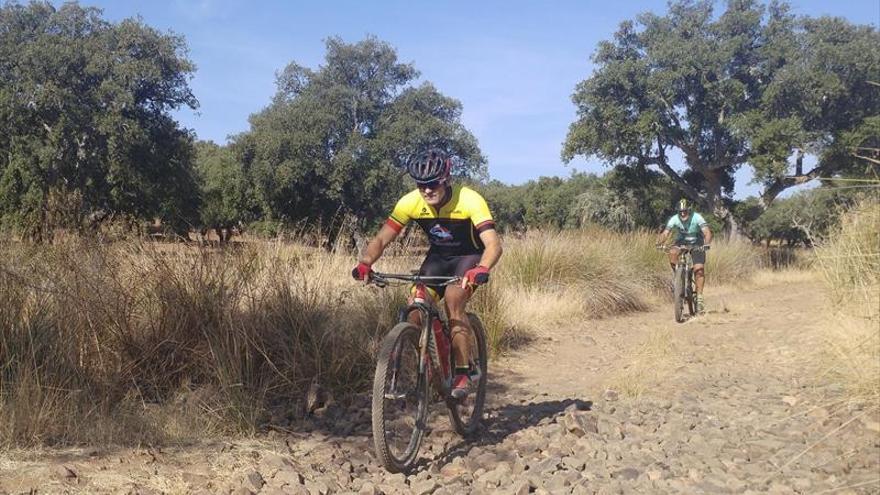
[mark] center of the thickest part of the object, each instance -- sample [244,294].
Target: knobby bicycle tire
[469,426]
[393,345]
[692,307]
[678,293]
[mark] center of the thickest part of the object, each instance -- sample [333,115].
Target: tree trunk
[731,227]
[715,202]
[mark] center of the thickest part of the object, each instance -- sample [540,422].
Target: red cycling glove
[477,275]
[362,271]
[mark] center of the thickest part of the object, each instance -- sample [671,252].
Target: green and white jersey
[690,231]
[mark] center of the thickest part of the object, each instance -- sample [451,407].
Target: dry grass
[849,262]
[556,278]
[584,266]
[145,343]
[767,278]
[732,263]
[129,342]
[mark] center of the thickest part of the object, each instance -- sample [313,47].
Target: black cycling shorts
[440,265]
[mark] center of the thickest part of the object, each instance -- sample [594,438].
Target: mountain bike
[683,288]
[414,370]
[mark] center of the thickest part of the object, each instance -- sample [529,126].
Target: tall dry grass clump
[849,261]
[586,267]
[555,278]
[143,342]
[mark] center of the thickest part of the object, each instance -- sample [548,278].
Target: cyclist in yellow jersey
[463,243]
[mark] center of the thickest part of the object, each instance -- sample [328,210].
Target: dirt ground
[731,402]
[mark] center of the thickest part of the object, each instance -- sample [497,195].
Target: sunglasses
[434,184]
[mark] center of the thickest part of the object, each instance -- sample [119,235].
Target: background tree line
[86,105]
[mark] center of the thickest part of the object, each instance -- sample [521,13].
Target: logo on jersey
[440,233]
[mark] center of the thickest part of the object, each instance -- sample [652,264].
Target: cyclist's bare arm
[493,248]
[707,235]
[378,244]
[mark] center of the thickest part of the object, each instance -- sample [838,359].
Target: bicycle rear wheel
[400,399]
[678,295]
[467,414]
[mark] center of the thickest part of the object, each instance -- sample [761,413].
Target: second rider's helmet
[684,205]
[429,167]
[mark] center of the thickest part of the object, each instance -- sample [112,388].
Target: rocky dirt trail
[725,403]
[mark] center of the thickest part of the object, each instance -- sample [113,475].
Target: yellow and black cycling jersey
[455,228]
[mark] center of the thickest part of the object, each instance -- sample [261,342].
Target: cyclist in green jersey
[463,243]
[692,231]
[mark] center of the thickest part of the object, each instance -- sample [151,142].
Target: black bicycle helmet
[430,166]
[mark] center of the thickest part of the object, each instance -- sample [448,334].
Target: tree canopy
[622,200]
[225,192]
[753,86]
[333,139]
[84,104]
[800,219]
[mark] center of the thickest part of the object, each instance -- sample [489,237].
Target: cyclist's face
[684,214]
[433,192]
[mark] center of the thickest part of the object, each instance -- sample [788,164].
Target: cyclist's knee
[457,319]
[456,299]
[459,326]
[698,270]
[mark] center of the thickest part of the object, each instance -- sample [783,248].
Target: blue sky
[512,64]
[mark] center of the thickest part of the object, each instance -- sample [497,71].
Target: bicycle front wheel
[400,399]
[690,293]
[678,293]
[467,414]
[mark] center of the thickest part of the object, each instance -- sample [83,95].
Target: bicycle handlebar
[383,279]
[686,248]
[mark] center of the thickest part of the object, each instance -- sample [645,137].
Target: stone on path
[611,395]
[627,474]
[368,489]
[424,487]
[253,481]
[65,472]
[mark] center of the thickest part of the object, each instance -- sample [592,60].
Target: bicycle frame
[430,358]
[684,255]
[685,263]
[685,258]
